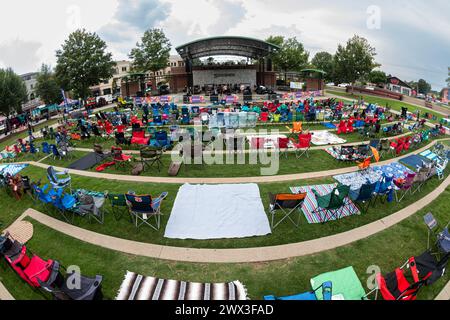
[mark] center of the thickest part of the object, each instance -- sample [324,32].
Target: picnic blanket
[335,152]
[12,169]
[346,284]
[323,138]
[329,125]
[355,180]
[217,211]
[310,203]
[414,161]
[87,162]
[137,287]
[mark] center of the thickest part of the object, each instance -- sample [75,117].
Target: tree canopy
[292,55]
[448,80]
[423,86]
[324,61]
[47,87]
[83,62]
[152,53]
[378,77]
[355,60]
[12,92]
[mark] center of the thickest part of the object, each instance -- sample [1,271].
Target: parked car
[330,84]
[343,85]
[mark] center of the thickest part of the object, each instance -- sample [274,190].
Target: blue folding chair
[142,208]
[46,148]
[56,182]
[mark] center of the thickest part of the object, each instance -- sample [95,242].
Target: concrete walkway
[259,179]
[445,293]
[4,293]
[247,255]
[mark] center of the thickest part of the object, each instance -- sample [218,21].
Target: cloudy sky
[412,37]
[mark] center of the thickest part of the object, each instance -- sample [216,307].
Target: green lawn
[387,250]
[319,160]
[123,228]
[393,104]
[12,139]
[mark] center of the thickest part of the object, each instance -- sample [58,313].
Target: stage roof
[226,46]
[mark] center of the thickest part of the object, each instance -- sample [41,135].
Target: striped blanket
[431,156]
[12,169]
[310,203]
[137,287]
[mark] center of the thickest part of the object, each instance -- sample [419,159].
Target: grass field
[393,104]
[387,250]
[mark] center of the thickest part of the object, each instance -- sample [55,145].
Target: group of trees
[12,92]
[353,61]
[82,62]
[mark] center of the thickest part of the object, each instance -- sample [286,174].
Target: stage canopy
[226,46]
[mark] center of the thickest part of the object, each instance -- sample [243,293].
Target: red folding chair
[283,146]
[303,146]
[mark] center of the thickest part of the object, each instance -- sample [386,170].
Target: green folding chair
[118,205]
[330,205]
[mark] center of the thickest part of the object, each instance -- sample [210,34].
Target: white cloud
[414,39]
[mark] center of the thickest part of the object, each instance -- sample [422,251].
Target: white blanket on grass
[323,138]
[217,212]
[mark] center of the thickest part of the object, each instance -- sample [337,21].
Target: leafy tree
[324,61]
[83,62]
[355,60]
[448,80]
[423,87]
[12,92]
[47,87]
[291,56]
[152,53]
[377,77]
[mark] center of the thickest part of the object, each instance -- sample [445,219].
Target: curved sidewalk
[248,255]
[259,179]
[4,294]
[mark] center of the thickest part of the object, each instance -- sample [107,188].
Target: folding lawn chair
[143,207]
[423,175]
[150,157]
[56,182]
[442,235]
[122,161]
[283,146]
[118,204]
[404,185]
[365,165]
[384,187]
[406,281]
[64,203]
[91,205]
[331,205]
[288,204]
[297,128]
[303,146]
[365,195]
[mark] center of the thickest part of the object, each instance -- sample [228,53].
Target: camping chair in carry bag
[143,207]
[287,203]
